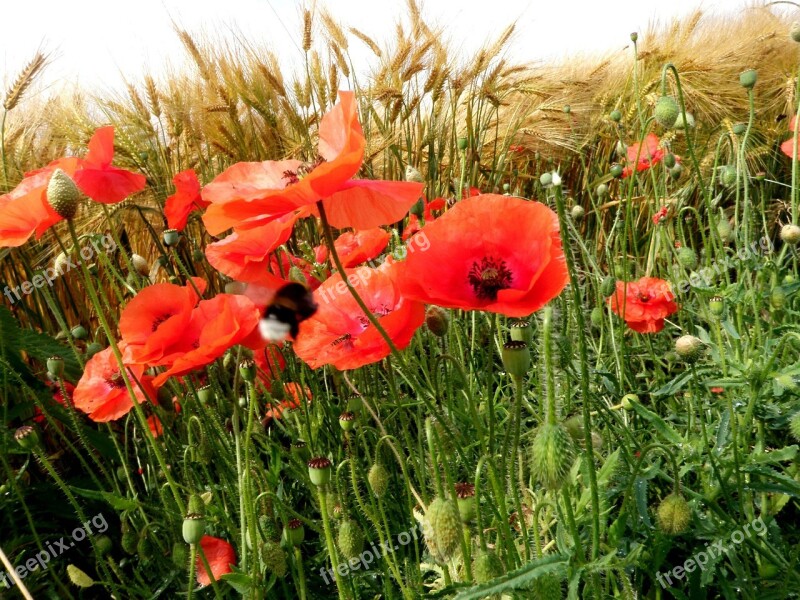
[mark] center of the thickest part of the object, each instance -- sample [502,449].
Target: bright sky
[94,42]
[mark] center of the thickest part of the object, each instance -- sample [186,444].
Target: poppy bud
[437,321]
[521,331]
[196,505]
[274,559]
[577,213]
[294,533]
[676,171]
[621,150]
[205,394]
[378,478]
[128,541]
[596,316]
[687,257]
[567,109]
[413,174]
[777,298]
[145,546]
[669,160]
[556,179]
[92,349]
[634,37]
[794,426]
[747,79]
[687,124]
[790,234]
[27,437]
[78,578]
[442,529]
[552,454]
[104,545]
[55,365]
[716,305]
[689,348]
[179,556]
[194,527]
[62,194]
[728,176]
[247,369]
[516,358]
[673,514]
[666,111]
[546,179]
[615,116]
[602,190]
[628,400]
[347,421]
[465,500]
[506,188]
[350,538]
[794,32]
[171,237]
[319,470]
[462,143]
[739,128]
[616,170]
[609,286]
[486,566]
[140,265]
[724,229]
[79,332]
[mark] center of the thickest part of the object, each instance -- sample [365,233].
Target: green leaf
[787,453]
[673,386]
[238,581]
[659,424]
[640,493]
[116,502]
[522,577]
[723,432]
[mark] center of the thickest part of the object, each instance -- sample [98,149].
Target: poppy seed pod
[104,545]
[608,286]
[294,533]
[615,116]
[442,529]
[596,316]
[790,234]
[347,421]
[552,454]
[747,79]
[739,128]
[546,179]
[205,394]
[194,527]
[55,365]
[465,500]
[669,160]
[79,332]
[319,470]
[716,305]
[247,369]
[689,348]
[521,331]
[171,237]
[462,143]
[602,190]
[378,478]
[63,195]
[673,514]
[79,578]
[628,400]
[27,437]
[687,257]
[516,358]
[634,37]
[666,111]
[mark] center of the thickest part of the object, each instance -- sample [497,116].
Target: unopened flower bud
[716,305]
[790,234]
[552,454]
[615,116]
[442,529]
[437,321]
[747,79]
[140,265]
[689,348]
[673,514]
[794,32]
[666,111]
[577,213]
[378,478]
[616,170]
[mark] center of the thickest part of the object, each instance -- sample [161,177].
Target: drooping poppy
[294,395]
[156,319]
[247,195]
[491,252]
[340,334]
[58,398]
[25,210]
[186,199]
[787,147]
[215,326]
[643,304]
[219,554]
[356,247]
[245,255]
[642,156]
[101,392]
[98,179]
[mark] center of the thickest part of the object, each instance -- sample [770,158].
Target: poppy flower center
[304,169]
[488,277]
[644,297]
[115,380]
[159,320]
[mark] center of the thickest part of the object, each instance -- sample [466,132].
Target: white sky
[95,41]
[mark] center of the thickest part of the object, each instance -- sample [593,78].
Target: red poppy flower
[646,303]
[101,392]
[250,194]
[357,247]
[58,397]
[340,334]
[787,147]
[644,155]
[661,215]
[98,179]
[220,556]
[245,255]
[294,396]
[415,225]
[215,325]
[496,253]
[25,210]
[282,262]
[156,319]
[717,390]
[154,423]
[186,198]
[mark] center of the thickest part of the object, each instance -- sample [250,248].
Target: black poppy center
[116,380]
[488,277]
[304,169]
[159,320]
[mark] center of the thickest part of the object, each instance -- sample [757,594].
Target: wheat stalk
[24,80]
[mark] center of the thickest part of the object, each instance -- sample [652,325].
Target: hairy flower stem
[584,361]
[334,556]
